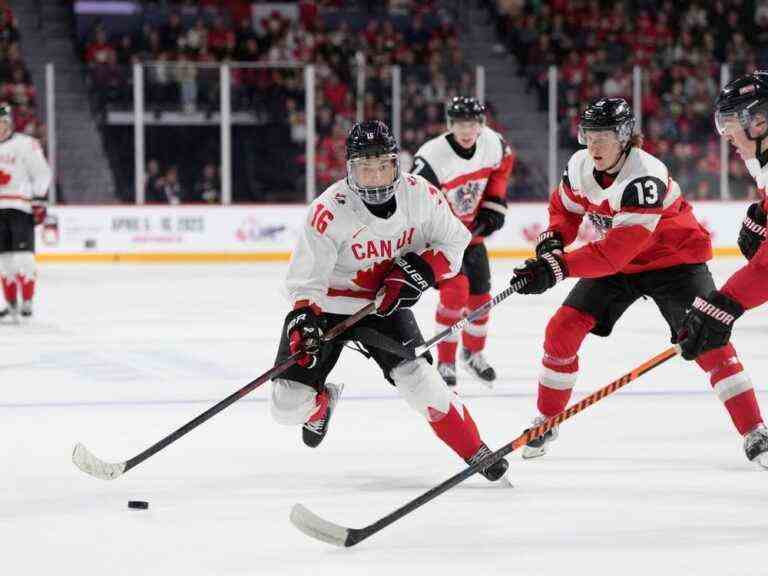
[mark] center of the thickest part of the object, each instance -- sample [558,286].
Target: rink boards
[243,233]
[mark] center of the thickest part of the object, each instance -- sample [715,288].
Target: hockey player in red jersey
[377,235]
[741,115]
[651,246]
[471,164]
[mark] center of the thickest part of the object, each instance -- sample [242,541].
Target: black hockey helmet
[464,108]
[370,138]
[367,141]
[608,114]
[742,99]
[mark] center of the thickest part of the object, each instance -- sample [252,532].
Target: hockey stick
[472,316]
[316,527]
[90,464]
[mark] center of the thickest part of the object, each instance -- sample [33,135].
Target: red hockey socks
[454,294]
[9,289]
[733,386]
[565,333]
[475,332]
[456,429]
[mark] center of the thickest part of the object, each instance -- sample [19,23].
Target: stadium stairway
[525,127]
[47,32]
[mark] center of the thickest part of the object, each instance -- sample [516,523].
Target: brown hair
[636,140]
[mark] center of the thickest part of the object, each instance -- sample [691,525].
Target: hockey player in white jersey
[381,236]
[471,164]
[24,180]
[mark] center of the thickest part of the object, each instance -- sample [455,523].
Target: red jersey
[748,285]
[644,221]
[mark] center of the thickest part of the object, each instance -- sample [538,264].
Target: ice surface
[652,479]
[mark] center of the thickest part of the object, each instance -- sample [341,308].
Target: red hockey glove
[39,212]
[408,279]
[302,327]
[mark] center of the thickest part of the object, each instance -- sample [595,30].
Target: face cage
[623,132]
[744,117]
[377,195]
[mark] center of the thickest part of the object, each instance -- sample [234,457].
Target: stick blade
[318,528]
[90,464]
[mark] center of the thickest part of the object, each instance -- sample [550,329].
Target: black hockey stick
[472,316]
[94,466]
[316,527]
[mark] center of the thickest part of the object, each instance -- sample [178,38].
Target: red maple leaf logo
[532,232]
[5,178]
[371,278]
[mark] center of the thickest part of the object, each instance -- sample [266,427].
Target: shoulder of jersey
[25,140]
[418,187]
[336,195]
[578,161]
[645,163]
[434,149]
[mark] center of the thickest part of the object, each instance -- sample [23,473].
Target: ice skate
[756,446]
[10,312]
[538,447]
[312,433]
[448,373]
[26,309]
[478,367]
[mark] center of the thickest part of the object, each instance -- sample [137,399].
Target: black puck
[138,504]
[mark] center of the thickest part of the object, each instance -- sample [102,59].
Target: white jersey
[24,173]
[462,176]
[344,251]
[759,173]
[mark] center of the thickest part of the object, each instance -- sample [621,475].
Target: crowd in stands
[16,85]
[680,46]
[419,36]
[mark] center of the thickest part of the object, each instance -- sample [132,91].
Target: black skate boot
[756,446]
[312,433]
[493,472]
[478,366]
[11,311]
[538,447]
[26,309]
[448,373]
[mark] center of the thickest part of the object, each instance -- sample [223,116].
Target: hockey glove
[408,279]
[549,241]
[752,232]
[708,324]
[490,218]
[302,328]
[541,273]
[39,212]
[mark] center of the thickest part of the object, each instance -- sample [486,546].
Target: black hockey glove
[302,328]
[549,241]
[540,273]
[490,218]
[752,233]
[408,279]
[708,324]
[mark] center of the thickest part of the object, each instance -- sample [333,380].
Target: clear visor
[374,178]
[597,136]
[726,122]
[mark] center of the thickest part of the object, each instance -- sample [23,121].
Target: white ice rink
[652,480]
